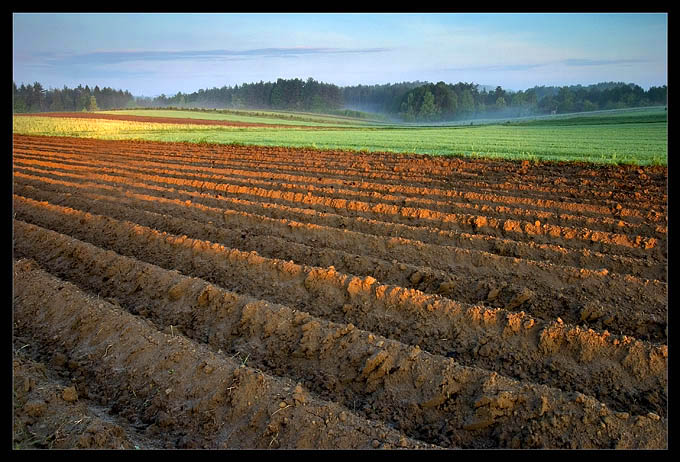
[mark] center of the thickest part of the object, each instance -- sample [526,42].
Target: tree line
[284,94]
[418,101]
[35,98]
[409,101]
[441,101]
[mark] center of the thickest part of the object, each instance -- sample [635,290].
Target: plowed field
[164,120]
[215,296]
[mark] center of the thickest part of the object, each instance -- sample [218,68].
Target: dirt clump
[174,295]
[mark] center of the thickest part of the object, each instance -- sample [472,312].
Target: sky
[150,54]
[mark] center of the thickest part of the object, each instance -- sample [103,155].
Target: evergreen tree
[428,110]
[93,104]
[408,109]
[467,103]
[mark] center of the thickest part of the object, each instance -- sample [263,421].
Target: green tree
[408,109]
[93,104]
[517,99]
[37,98]
[57,104]
[566,100]
[428,110]
[19,98]
[497,93]
[276,97]
[236,102]
[311,95]
[467,102]
[452,100]
[445,100]
[589,106]
[531,100]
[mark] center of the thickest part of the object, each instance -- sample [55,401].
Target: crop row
[306,184]
[411,388]
[216,299]
[458,274]
[508,177]
[184,393]
[521,344]
[617,243]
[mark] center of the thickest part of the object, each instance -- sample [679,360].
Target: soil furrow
[650,223]
[299,184]
[243,155]
[49,414]
[168,120]
[542,209]
[186,394]
[514,341]
[518,229]
[394,375]
[241,296]
[392,237]
[401,264]
[469,167]
[577,174]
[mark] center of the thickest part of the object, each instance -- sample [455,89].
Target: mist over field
[406,102]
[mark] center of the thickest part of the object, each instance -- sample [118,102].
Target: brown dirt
[49,414]
[396,301]
[159,120]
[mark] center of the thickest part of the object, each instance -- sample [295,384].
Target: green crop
[632,141]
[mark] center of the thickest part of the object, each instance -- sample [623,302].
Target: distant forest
[34,98]
[442,101]
[408,101]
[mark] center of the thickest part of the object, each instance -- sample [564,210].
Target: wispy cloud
[572,62]
[115,57]
[602,62]
[496,67]
[148,55]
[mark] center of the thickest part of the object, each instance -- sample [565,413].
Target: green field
[635,137]
[250,116]
[616,116]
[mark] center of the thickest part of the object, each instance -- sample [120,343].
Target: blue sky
[149,54]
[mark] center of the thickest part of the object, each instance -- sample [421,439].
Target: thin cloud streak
[115,57]
[146,54]
[576,62]
[496,68]
[602,62]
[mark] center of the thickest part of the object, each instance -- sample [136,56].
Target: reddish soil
[159,120]
[294,298]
